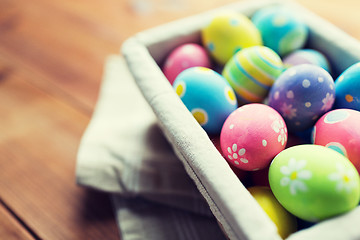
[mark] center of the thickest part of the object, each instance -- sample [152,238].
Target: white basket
[238,213]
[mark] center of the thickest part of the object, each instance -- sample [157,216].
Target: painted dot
[204,70]
[276,95]
[349,98]
[236,162]
[336,116]
[279,21]
[185,64]
[320,79]
[331,86]
[235,156]
[242,151]
[229,150]
[290,94]
[308,104]
[200,115]
[306,83]
[279,138]
[244,160]
[234,147]
[230,157]
[231,126]
[230,95]
[211,46]
[340,79]
[292,72]
[264,142]
[234,22]
[180,89]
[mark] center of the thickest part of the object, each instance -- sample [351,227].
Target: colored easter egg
[227,33]
[347,87]
[314,182]
[306,56]
[251,72]
[301,95]
[339,130]
[281,29]
[284,221]
[252,135]
[207,96]
[183,57]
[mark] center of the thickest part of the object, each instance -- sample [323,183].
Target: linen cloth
[124,152]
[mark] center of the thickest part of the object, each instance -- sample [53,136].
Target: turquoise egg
[207,95]
[347,88]
[280,29]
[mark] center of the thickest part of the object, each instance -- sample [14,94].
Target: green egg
[314,182]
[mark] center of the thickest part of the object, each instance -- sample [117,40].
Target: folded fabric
[124,152]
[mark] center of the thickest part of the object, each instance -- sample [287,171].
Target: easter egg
[306,56]
[207,96]
[251,72]
[339,130]
[227,33]
[314,182]
[252,135]
[347,87]
[301,95]
[284,221]
[280,28]
[183,57]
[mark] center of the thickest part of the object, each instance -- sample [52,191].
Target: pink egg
[339,130]
[252,136]
[183,57]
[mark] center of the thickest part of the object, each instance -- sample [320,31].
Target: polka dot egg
[252,135]
[251,72]
[281,29]
[314,182]
[348,88]
[227,33]
[183,57]
[207,95]
[301,95]
[339,130]
[307,56]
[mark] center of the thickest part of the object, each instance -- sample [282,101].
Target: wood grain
[51,61]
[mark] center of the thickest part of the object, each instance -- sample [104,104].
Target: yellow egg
[284,221]
[228,33]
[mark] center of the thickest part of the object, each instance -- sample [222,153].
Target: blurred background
[52,55]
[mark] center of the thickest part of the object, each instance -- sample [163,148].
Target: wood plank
[10,228]
[38,144]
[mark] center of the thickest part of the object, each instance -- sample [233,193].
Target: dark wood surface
[51,62]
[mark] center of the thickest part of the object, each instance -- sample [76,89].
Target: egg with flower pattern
[207,96]
[314,182]
[301,95]
[252,135]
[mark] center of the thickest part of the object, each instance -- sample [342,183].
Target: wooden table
[51,63]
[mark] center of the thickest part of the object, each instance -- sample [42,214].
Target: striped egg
[251,72]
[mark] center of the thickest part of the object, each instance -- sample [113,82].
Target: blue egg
[207,95]
[347,87]
[302,94]
[281,30]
